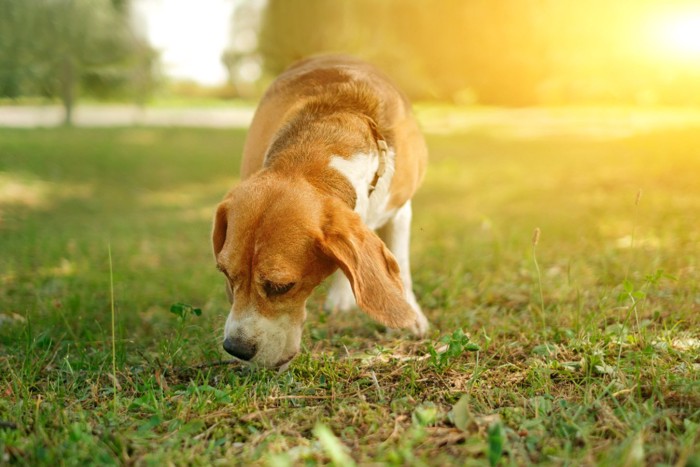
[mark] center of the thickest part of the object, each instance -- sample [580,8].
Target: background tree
[16,26]
[496,52]
[446,50]
[56,48]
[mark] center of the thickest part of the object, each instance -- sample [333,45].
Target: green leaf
[183,309]
[425,414]
[460,414]
[178,309]
[149,425]
[496,439]
[332,446]
[548,350]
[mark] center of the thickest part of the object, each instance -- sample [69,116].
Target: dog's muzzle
[240,348]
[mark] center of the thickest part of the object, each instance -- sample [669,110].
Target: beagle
[333,154]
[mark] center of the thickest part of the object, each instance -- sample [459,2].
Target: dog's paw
[421,326]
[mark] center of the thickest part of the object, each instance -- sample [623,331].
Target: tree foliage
[512,52]
[57,47]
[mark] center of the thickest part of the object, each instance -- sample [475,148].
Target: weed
[332,446]
[454,346]
[535,241]
[114,339]
[496,440]
[182,311]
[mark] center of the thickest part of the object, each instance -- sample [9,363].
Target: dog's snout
[240,348]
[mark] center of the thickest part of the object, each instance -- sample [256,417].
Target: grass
[612,377]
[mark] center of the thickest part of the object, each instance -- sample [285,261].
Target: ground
[579,346]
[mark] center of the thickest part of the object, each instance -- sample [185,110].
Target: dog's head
[275,240]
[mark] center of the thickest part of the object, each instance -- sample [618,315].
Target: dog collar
[381,168]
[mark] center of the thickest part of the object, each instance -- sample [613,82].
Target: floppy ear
[369,266]
[218,237]
[218,234]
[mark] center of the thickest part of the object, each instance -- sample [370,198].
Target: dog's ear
[218,234]
[218,237]
[369,266]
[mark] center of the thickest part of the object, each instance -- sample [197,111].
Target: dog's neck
[310,141]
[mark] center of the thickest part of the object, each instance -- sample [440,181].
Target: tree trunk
[68,89]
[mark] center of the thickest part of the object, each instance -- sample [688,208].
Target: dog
[333,155]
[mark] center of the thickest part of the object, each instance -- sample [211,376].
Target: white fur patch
[276,339]
[360,170]
[340,296]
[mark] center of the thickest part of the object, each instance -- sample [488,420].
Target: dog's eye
[273,290]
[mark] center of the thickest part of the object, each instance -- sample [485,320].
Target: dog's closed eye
[273,290]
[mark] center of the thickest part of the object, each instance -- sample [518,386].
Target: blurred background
[513,53]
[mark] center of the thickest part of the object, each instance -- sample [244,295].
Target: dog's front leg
[340,296]
[396,234]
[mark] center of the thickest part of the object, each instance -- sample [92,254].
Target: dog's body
[333,154]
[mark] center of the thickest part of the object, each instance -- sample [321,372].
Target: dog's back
[338,85]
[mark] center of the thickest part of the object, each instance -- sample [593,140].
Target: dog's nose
[240,348]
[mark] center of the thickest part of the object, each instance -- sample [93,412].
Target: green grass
[608,372]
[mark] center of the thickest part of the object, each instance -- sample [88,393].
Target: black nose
[240,348]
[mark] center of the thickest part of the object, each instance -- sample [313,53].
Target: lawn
[580,347]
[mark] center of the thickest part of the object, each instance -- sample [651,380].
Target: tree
[16,25]
[56,47]
[496,52]
[437,50]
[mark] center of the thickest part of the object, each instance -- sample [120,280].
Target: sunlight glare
[680,34]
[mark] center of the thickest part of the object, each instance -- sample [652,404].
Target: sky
[190,34]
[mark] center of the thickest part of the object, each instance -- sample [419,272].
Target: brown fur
[350,104]
[368,264]
[269,224]
[292,219]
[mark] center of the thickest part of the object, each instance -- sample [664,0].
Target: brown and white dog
[333,154]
